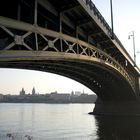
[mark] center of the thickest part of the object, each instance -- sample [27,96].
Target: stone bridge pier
[124,107]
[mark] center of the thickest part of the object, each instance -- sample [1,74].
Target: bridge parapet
[24,36]
[99,16]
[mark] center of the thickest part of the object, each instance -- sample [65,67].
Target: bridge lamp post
[112,26]
[129,37]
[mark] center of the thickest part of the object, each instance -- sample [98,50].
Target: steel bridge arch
[23,46]
[90,72]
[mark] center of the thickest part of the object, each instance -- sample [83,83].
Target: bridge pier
[117,108]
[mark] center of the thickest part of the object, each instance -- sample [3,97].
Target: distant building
[1,97]
[60,97]
[55,92]
[78,93]
[33,91]
[72,93]
[52,94]
[22,92]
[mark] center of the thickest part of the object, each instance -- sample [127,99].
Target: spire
[22,92]
[33,91]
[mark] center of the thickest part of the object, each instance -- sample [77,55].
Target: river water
[63,122]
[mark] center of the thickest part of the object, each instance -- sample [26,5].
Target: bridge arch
[70,38]
[94,73]
[62,54]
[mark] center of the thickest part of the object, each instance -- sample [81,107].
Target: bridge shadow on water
[118,128]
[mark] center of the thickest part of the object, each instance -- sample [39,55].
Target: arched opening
[18,85]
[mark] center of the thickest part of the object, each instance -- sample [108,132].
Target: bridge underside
[96,76]
[70,38]
[115,95]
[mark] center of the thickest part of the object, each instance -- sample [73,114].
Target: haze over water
[64,122]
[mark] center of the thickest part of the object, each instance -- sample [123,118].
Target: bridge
[70,38]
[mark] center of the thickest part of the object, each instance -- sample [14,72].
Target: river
[63,122]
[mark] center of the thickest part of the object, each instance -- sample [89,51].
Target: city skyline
[52,82]
[53,97]
[33,92]
[126,15]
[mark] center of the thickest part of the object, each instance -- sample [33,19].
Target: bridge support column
[121,108]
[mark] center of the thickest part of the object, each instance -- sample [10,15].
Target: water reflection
[63,122]
[118,128]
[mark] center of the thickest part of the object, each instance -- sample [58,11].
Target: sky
[126,16]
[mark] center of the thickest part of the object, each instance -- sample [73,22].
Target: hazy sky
[126,19]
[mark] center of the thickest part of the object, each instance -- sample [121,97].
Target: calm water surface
[64,122]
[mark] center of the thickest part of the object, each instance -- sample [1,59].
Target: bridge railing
[98,14]
[103,21]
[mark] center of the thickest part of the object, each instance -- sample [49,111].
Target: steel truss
[27,37]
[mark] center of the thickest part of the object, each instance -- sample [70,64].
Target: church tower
[22,92]
[33,91]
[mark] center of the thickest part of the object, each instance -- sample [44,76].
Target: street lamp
[129,37]
[112,27]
